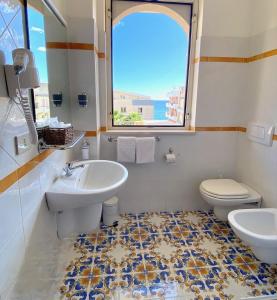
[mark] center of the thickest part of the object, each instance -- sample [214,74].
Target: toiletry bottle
[85,150]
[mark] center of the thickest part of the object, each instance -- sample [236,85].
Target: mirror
[47,38]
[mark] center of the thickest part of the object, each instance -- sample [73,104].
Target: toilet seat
[224,189]
[226,195]
[223,198]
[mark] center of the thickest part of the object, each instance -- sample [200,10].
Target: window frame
[190,70]
[27,44]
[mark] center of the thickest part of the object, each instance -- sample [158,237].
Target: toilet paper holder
[170,157]
[170,150]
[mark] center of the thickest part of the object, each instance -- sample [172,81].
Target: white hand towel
[126,149]
[145,150]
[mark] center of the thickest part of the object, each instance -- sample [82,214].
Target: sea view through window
[150,55]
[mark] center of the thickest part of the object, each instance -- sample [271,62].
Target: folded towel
[145,150]
[126,149]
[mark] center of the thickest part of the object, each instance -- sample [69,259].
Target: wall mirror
[47,37]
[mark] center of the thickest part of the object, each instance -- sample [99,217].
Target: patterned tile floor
[180,255]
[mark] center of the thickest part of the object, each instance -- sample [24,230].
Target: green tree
[130,119]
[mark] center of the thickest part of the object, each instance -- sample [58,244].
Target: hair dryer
[23,75]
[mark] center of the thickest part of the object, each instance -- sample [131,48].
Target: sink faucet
[70,166]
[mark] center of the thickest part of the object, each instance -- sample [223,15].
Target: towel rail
[113,139]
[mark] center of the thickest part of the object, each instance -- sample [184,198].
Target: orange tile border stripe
[75,46]
[101,55]
[57,45]
[243,60]
[226,129]
[218,129]
[8,181]
[72,46]
[91,133]
[94,133]
[223,59]
[16,175]
[262,55]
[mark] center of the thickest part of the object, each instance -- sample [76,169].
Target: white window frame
[191,71]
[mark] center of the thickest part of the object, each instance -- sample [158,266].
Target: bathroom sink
[92,184]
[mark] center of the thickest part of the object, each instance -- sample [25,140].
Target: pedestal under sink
[78,198]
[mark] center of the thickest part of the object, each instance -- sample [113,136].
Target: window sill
[149,131]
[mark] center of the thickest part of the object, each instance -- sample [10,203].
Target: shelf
[78,135]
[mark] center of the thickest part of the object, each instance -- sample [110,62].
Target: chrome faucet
[70,166]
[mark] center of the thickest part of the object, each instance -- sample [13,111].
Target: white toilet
[258,229]
[226,195]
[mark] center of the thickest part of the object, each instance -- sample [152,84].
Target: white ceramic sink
[96,182]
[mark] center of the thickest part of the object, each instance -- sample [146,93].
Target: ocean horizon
[160,109]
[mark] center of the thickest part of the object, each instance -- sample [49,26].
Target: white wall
[61,6]
[225,18]
[241,93]
[263,16]
[83,69]
[221,90]
[26,225]
[160,186]
[257,164]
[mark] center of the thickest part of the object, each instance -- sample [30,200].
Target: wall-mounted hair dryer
[23,75]
[20,60]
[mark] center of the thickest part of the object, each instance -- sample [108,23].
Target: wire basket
[58,136]
[41,131]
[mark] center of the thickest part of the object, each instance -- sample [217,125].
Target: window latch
[109,13]
[187,116]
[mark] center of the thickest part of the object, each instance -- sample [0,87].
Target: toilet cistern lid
[225,188]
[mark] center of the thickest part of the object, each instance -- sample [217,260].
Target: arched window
[150,62]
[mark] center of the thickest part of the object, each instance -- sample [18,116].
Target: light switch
[260,133]
[22,143]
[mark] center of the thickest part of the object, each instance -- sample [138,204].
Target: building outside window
[151,45]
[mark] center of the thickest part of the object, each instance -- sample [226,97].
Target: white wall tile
[80,30]
[14,125]
[263,42]
[74,9]
[31,199]
[263,16]
[160,186]
[81,68]
[12,256]
[221,92]
[25,222]
[7,164]
[257,167]
[52,166]
[219,16]
[256,163]
[10,214]
[225,46]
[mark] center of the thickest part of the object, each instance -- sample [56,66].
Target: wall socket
[22,143]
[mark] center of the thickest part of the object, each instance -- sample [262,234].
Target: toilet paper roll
[170,158]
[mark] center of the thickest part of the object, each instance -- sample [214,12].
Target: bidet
[258,229]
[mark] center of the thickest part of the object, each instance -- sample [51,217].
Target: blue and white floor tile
[179,255]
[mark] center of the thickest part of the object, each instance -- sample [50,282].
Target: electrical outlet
[22,143]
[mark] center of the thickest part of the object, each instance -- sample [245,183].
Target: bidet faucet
[70,166]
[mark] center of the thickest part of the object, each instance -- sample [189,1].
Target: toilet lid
[225,188]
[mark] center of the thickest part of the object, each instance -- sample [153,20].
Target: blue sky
[149,54]
[37,42]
